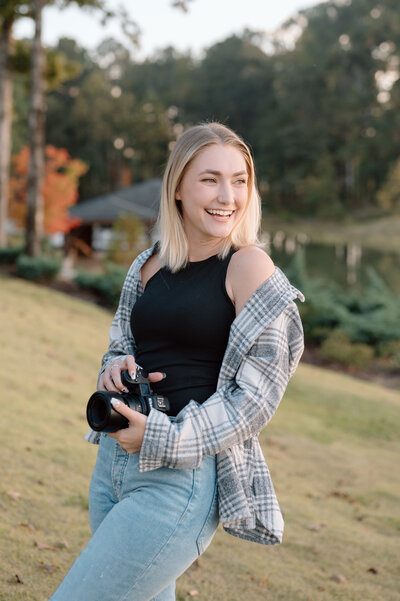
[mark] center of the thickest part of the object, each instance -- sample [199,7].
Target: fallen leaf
[373,570]
[263,581]
[29,526]
[19,579]
[42,546]
[49,568]
[338,578]
[343,495]
[62,545]
[14,494]
[68,421]
[321,587]
[193,593]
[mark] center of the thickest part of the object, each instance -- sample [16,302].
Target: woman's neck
[200,251]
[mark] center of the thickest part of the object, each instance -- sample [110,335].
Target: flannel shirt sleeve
[238,410]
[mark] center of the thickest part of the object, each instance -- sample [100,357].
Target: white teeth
[219,212]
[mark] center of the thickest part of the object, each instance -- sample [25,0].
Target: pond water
[344,263]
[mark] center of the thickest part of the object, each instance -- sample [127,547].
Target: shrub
[338,347]
[9,255]
[370,317]
[127,235]
[107,285]
[40,268]
[390,351]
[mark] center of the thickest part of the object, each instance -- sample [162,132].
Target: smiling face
[213,194]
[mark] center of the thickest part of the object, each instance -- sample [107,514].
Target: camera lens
[98,411]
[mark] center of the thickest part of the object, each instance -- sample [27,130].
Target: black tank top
[181,327]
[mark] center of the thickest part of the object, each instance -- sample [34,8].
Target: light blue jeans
[147,528]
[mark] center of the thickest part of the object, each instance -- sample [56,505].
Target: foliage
[122,138]
[338,347]
[389,194]
[41,268]
[390,353]
[10,254]
[337,319]
[319,111]
[107,285]
[60,189]
[127,233]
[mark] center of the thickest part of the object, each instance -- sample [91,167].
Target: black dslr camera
[102,416]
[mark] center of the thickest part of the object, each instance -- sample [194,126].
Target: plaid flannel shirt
[264,348]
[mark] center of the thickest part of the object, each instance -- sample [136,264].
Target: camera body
[101,415]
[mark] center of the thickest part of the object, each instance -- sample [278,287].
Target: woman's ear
[178,195]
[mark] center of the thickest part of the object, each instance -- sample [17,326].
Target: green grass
[332,450]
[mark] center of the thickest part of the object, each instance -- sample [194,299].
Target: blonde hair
[173,242]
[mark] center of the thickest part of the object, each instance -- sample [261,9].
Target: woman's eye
[241,181]
[208,179]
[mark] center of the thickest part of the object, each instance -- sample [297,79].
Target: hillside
[332,450]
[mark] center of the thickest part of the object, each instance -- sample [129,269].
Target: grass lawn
[332,449]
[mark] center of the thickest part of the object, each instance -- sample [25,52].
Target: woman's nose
[225,195]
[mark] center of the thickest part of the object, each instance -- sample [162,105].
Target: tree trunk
[35,208]
[5,124]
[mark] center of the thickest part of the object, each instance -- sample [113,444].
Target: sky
[206,22]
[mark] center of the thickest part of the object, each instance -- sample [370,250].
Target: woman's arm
[248,268]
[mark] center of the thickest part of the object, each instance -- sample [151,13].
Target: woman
[210,316]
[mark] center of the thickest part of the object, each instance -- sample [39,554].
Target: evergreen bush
[40,269]
[10,254]
[107,285]
[337,320]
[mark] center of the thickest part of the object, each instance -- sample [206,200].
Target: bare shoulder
[152,265]
[248,268]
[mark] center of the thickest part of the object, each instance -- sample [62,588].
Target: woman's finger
[107,383]
[131,366]
[156,376]
[115,372]
[124,410]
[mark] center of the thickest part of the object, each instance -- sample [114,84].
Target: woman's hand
[110,379]
[130,439]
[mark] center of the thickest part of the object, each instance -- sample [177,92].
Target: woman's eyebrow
[219,172]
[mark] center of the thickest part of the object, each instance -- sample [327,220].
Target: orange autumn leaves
[60,188]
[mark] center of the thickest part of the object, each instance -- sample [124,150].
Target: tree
[10,11]
[60,188]
[35,215]
[35,209]
[389,194]
[337,107]
[5,122]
